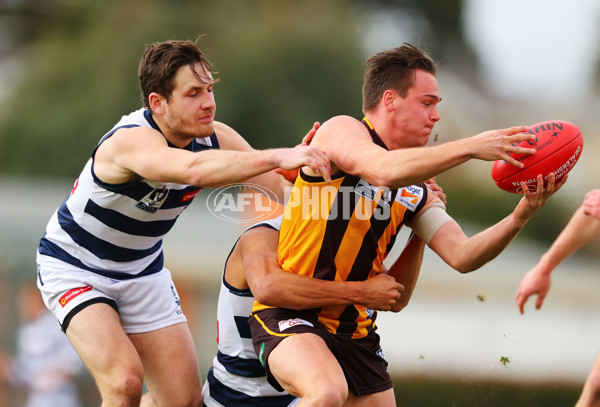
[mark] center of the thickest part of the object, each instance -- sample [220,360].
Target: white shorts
[144,303]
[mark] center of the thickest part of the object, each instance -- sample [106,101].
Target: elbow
[464,267]
[401,303]
[263,293]
[203,181]
[378,177]
[399,306]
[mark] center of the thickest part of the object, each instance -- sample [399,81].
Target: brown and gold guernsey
[342,231]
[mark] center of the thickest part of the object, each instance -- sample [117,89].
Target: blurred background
[68,71]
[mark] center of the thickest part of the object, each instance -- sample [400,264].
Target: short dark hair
[393,70]
[162,60]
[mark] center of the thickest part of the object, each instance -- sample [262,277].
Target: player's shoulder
[342,121]
[346,127]
[229,139]
[137,134]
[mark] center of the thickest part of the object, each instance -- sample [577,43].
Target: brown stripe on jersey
[335,230]
[361,270]
[347,317]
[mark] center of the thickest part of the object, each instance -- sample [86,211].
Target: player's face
[190,110]
[416,114]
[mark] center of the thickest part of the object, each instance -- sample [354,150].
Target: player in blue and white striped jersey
[237,378]
[100,262]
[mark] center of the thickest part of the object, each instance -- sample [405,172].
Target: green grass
[426,392]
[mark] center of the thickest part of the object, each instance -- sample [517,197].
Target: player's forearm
[580,230]
[406,270]
[486,245]
[411,166]
[288,290]
[215,168]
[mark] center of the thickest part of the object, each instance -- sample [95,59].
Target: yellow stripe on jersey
[358,226]
[342,231]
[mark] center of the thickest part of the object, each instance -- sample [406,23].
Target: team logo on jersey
[410,197]
[153,201]
[283,325]
[368,191]
[69,295]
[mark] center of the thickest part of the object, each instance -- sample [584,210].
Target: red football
[558,146]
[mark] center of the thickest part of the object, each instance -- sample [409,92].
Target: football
[558,146]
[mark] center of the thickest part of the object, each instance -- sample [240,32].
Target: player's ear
[389,100]
[157,102]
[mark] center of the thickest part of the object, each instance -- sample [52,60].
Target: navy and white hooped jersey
[117,230]
[236,377]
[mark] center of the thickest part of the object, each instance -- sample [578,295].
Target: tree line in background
[282,65]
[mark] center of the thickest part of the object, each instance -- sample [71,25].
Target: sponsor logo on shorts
[69,295]
[177,300]
[283,325]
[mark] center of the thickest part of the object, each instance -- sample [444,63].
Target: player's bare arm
[406,270]
[348,145]
[467,254]
[277,179]
[580,230]
[255,255]
[144,152]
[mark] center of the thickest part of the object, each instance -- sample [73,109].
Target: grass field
[424,392]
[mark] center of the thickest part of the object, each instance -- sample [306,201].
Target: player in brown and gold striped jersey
[342,230]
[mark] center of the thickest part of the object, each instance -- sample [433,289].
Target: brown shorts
[361,359]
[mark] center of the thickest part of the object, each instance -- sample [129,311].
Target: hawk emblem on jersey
[410,197]
[368,191]
[152,202]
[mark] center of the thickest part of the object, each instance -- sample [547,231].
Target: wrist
[271,158]
[546,264]
[352,292]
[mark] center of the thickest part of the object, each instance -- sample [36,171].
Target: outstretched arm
[349,146]
[255,255]
[467,254]
[580,230]
[144,152]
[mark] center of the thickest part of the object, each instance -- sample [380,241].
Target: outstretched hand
[536,281]
[591,203]
[291,174]
[532,201]
[494,145]
[301,156]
